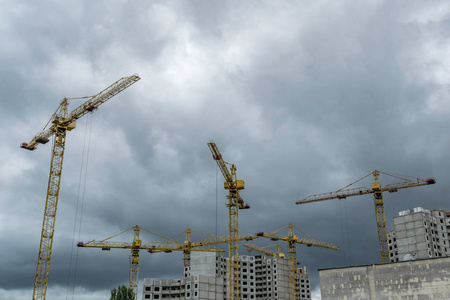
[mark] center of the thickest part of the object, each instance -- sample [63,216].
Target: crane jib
[63,120]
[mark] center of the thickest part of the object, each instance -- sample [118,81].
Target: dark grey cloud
[303,97]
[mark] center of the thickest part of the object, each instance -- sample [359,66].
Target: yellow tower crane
[135,247]
[265,251]
[61,122]
[292,239]
[377,192]
[235,203]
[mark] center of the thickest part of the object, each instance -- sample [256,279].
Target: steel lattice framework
[61,122]
[235,203]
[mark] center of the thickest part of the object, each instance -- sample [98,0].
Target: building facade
[261,277]
[419,234]
[304,284]
[198,287]
[414,279]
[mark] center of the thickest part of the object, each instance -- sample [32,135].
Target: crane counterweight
[42,140]
[431,181]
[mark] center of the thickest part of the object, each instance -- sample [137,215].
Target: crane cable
[79,205]
[217,202]
[349,249]
[344,230]
[217,194]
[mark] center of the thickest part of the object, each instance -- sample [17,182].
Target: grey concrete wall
[191,288]
[417,279]
[203,263]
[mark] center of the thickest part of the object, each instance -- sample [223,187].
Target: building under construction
[419,234]
[260,277]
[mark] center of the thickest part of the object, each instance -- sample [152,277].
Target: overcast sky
[304,97]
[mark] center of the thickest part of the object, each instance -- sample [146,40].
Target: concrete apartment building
[261,277]
[419,234]
[199,287]
[414,279]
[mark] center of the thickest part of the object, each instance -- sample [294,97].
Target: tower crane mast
[58,125]
[377,192]
[292,239]
[235,203]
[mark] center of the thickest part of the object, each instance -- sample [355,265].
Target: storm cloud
[303,97]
